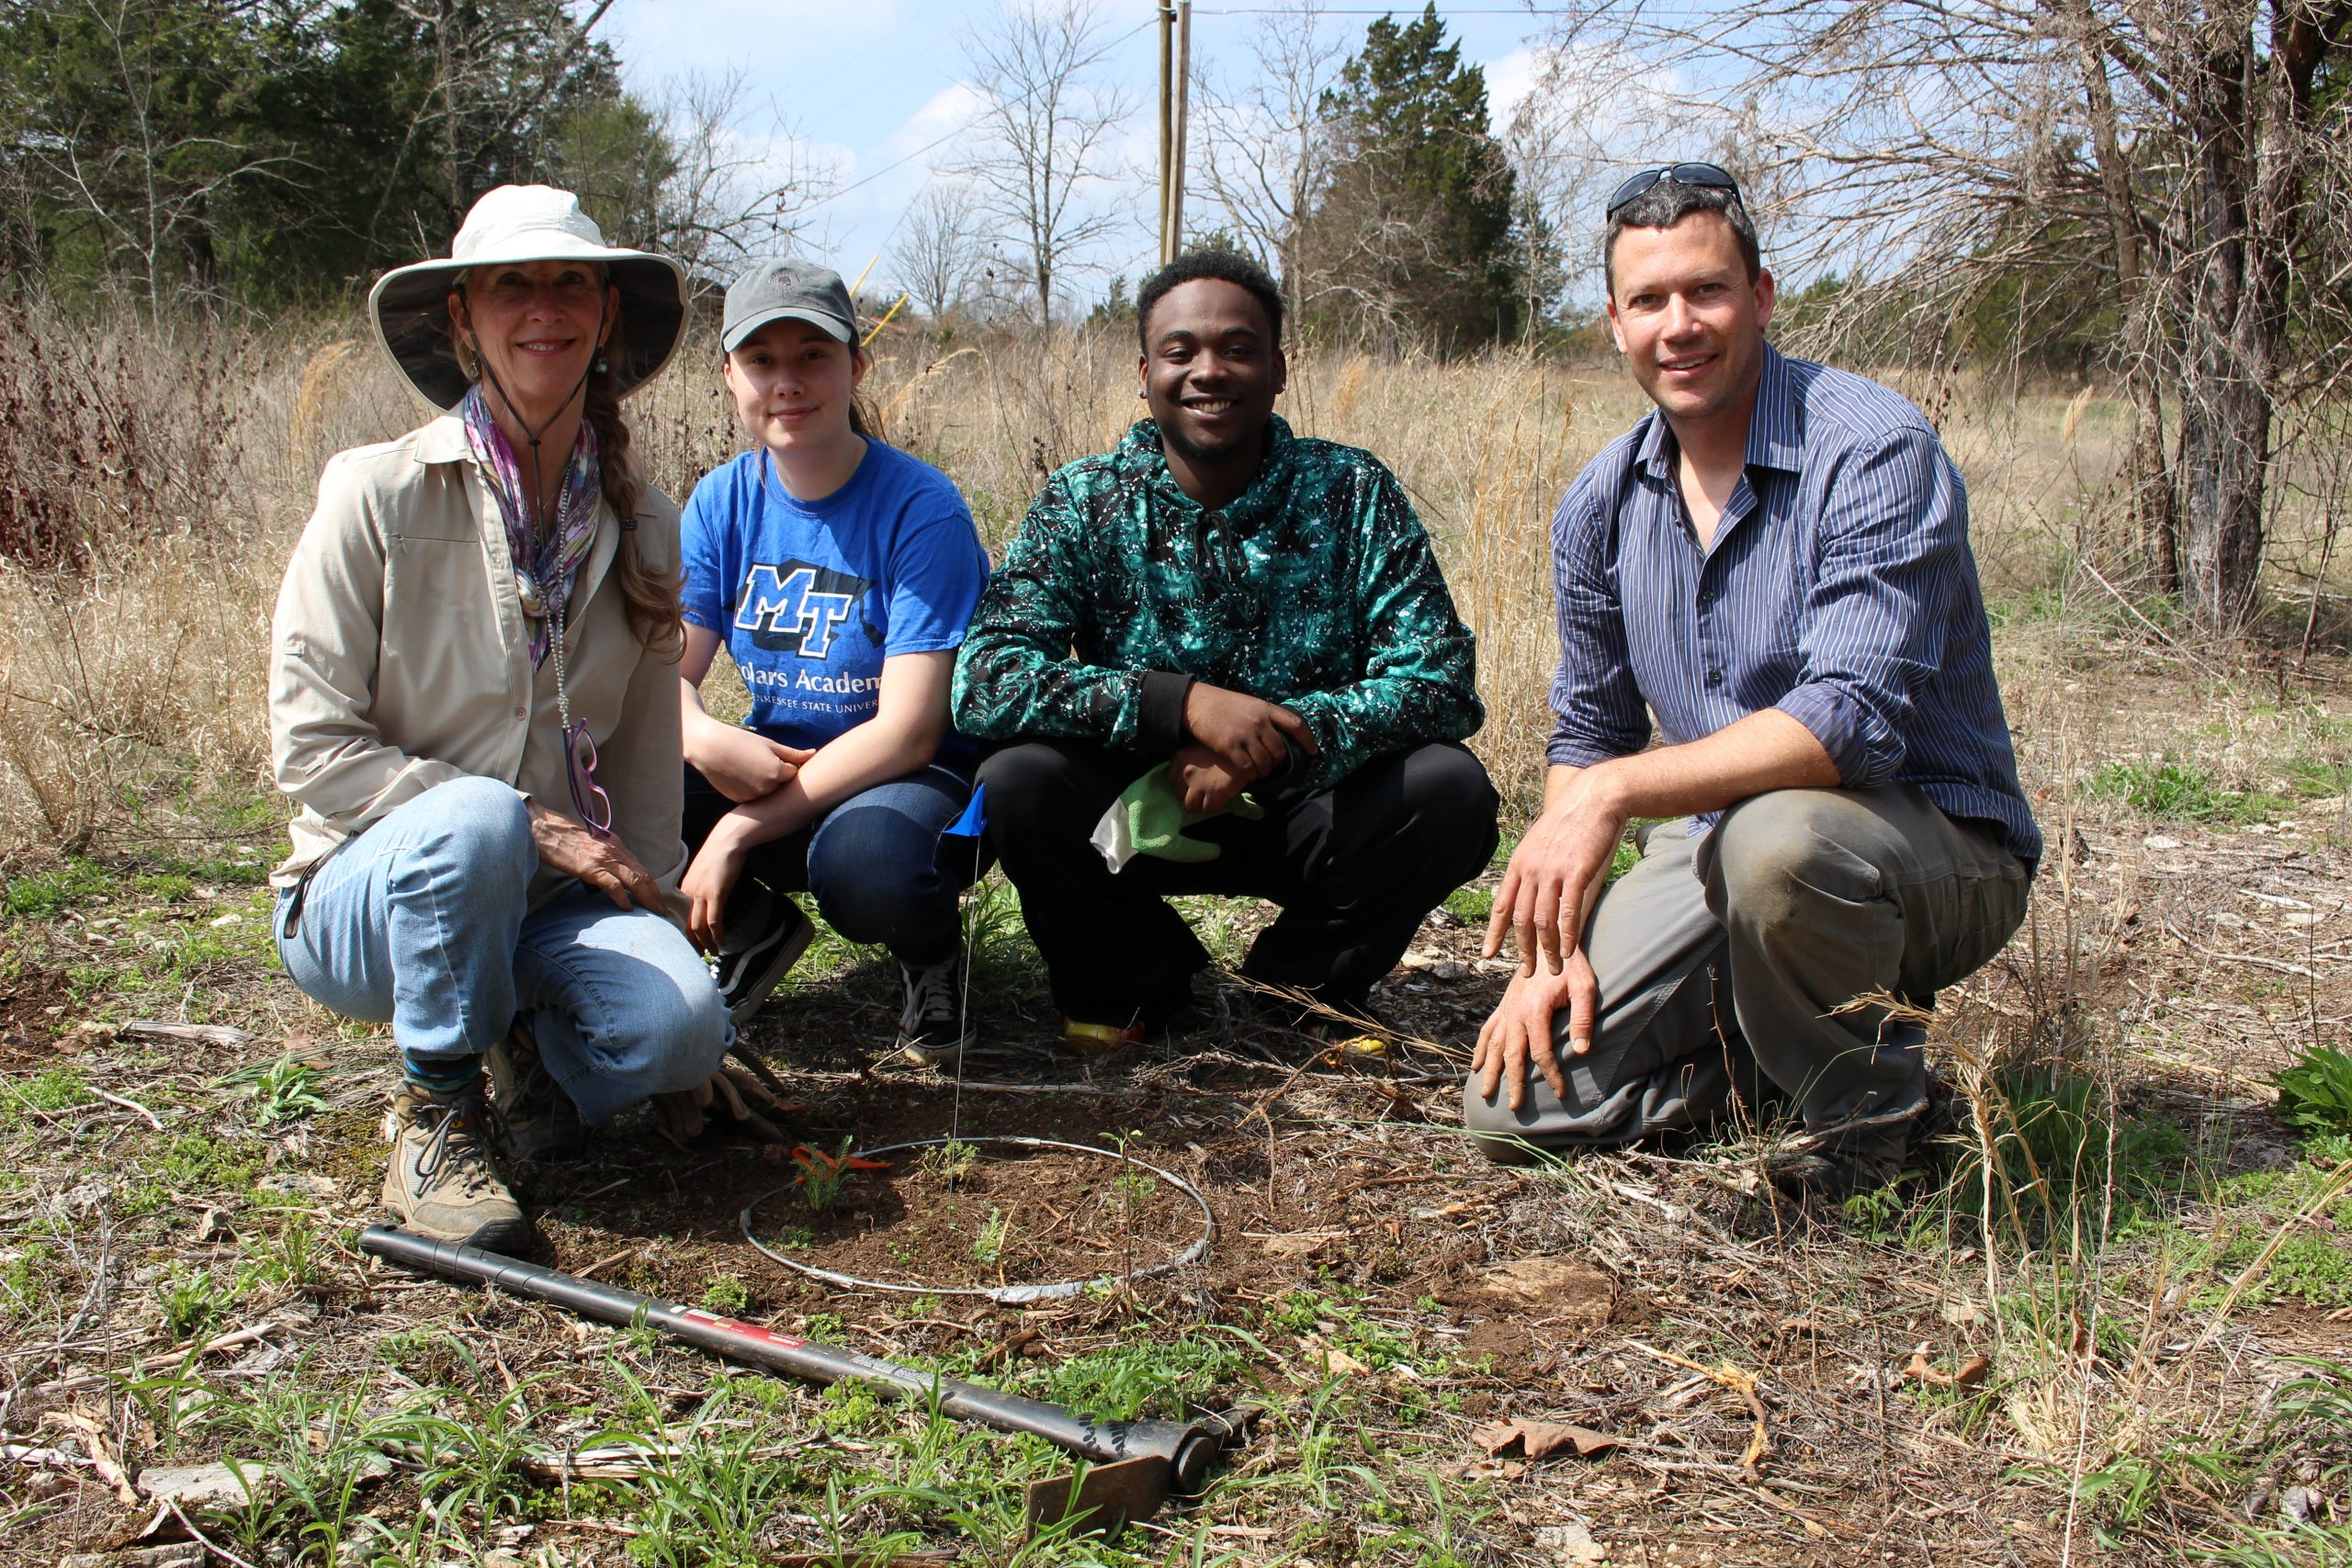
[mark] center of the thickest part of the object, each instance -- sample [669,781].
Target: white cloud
[952,110]
[1508,81]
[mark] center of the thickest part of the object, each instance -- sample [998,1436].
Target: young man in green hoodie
[1223,627]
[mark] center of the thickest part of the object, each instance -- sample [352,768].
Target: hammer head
[1170,1457]
[1102,1498]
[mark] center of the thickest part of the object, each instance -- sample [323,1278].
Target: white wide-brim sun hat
[525,223]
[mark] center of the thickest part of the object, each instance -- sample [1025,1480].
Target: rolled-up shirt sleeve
[1876,620]
[1598,708]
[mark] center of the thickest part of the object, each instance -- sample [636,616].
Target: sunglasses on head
[1707,174]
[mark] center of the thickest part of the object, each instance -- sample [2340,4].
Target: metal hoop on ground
[1004,1295]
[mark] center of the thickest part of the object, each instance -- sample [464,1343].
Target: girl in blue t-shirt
[839,573]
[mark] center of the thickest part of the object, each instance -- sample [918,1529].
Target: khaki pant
[1721,961]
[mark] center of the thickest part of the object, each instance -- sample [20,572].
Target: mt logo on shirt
[798,607]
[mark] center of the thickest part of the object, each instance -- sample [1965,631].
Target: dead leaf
[1967,1375]
[94,1437]
[1331,1362]
[1540,1440]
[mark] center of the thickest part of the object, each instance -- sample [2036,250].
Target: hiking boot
[443,1181]
[932,1030]
[536,1121]
[1860,1161]
[764,941]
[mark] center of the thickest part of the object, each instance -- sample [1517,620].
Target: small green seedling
[951,1161]
[1136,1186]
[283,1091]
[822,1174]
[727,1294]
[193,1300]
[989,1246]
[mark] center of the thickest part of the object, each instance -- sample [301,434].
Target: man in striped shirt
[1775,564]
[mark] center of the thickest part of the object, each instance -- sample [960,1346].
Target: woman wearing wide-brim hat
[473,698]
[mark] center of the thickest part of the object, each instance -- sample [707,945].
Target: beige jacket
[399,660]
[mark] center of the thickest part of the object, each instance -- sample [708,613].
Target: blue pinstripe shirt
[1839,588]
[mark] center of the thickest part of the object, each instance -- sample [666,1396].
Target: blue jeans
[422,920]
[880,870]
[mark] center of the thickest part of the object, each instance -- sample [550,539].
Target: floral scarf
[544,568]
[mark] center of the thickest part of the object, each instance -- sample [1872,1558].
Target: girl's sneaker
[764,939]
[933,1029]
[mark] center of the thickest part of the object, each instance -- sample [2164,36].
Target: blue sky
[871,86]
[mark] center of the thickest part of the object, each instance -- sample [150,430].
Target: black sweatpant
[1355,868]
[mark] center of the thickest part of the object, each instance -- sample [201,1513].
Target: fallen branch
[44,1459]
[2281,965]
[192,1033]
[229,1341]
[127,1105]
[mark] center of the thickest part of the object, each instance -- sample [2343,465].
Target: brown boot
[536,1121]
[443,1182]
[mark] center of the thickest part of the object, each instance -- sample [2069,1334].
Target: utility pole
[1166,113]
[1175,102]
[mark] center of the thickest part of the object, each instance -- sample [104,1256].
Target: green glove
[1149,818]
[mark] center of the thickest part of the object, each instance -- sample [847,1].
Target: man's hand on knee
[1555,874]
[1252,736]
[1519,1032]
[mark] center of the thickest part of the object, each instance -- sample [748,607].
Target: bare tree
[1570,140]
[147,190]
[1555,162]
[1266,146]
[939,256]
[733,195]
[1046,131]
[2174,159]
[684,175]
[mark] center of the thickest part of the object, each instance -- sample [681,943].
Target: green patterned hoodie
[1316,588]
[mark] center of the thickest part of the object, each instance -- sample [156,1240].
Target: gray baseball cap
[787,289]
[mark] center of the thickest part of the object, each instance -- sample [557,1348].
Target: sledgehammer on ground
[1138,1465]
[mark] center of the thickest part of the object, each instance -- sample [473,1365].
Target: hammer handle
[1188,1446]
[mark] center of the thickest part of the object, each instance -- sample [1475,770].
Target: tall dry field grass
[186,456]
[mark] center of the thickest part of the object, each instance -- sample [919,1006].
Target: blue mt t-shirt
[810,597]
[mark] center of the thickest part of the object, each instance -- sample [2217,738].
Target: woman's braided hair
[652,596]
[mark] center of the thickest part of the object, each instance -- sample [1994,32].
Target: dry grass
[144,667]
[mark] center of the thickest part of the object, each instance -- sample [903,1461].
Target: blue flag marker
[975,820]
